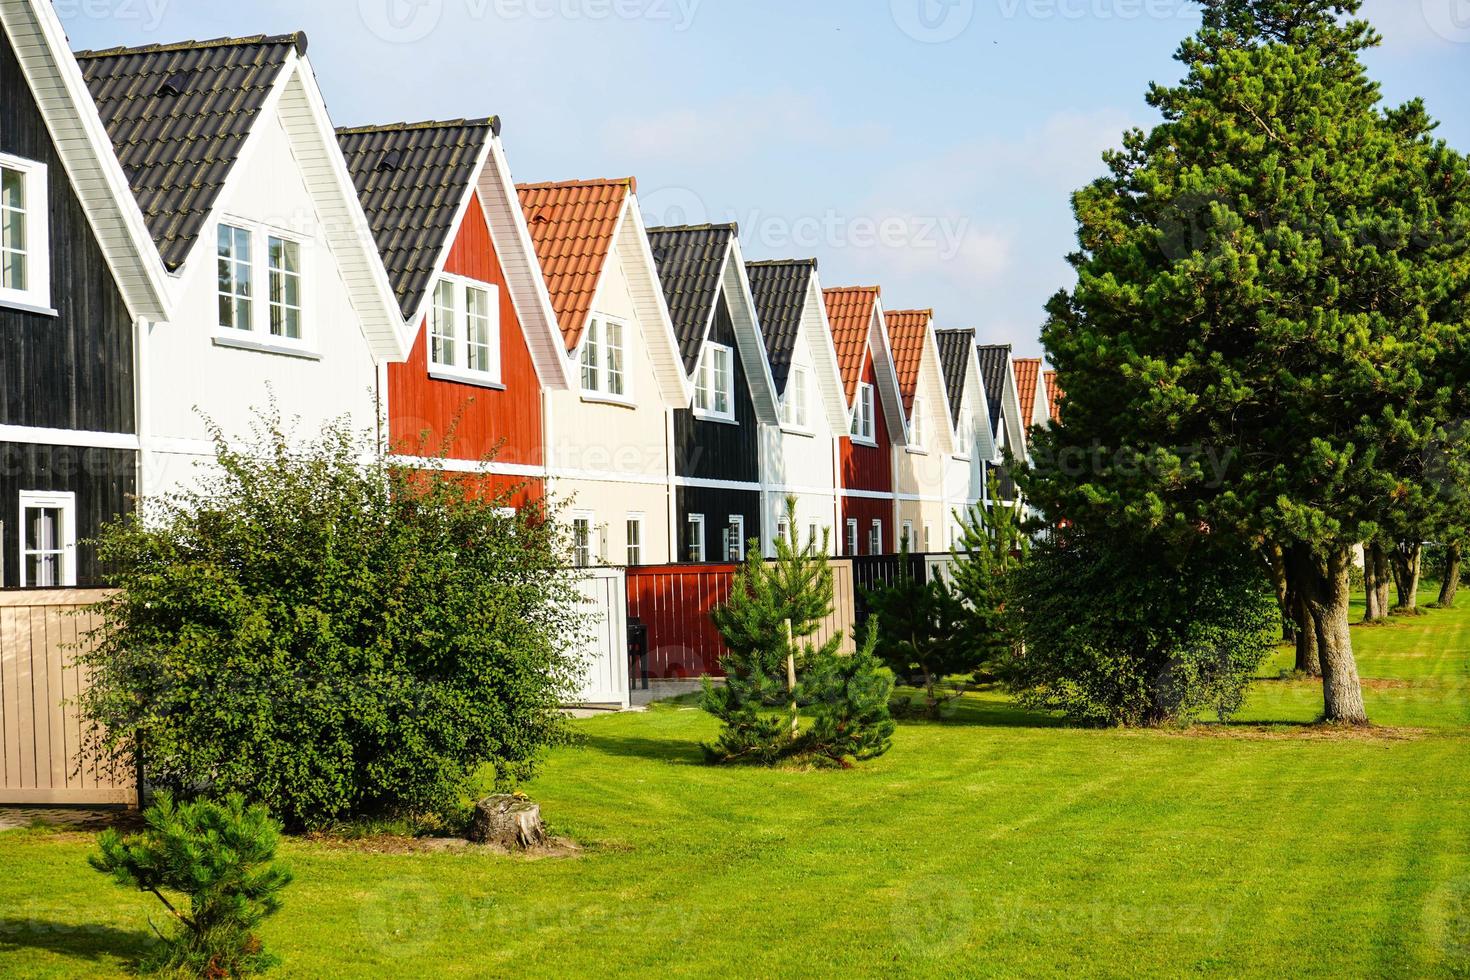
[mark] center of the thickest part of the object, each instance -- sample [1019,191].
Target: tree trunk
[1451,584]
[791,681]
[1408,560]
[1284,598]
[1373,612]
[1326,586]
[1308,660]
[1384,573]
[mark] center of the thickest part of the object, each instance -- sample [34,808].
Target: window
[916,422]
[875,538]
[906,542]
[464,331]
[25,248]
[852,538]
[794,411]
[604,359]
[582,541]
[48,540]
[281,319]
[966,435]
[635,540]
[735,539]
[783,530]
[285,283]
[862,414]
[694,548]
[236,307]
[811,535]
[714,383]
[928,538]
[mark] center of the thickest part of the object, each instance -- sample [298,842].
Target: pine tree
[920,632]
[992,546]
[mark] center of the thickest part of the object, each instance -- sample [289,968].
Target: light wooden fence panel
[42,733]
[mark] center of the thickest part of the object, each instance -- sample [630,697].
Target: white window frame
[629,543]
[863,423]
[35,184]
[606,360]
[965,446]
[916,424]
[694,552]
[66,503]
[579,559]
[735,539]
[796,403]
[458,335]
[928,538]
[271,303]
[706,394]
[875,538]
[812,532]
[852,538]
[257,333]
[908,536]
[783,529]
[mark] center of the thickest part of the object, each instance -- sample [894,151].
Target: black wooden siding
[717,506]
[719,450]
[75,370]
[105,482]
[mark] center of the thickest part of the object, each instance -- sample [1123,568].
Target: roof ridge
[766,263]
[402,127]
[296,39]
[630,182]
[928,311]
[730,226]
[1004,347]
[968,330]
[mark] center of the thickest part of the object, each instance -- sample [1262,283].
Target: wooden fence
[674,603]
[42,760]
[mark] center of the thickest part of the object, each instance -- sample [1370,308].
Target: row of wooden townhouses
[185,237]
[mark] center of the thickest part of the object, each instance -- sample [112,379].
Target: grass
[996,842]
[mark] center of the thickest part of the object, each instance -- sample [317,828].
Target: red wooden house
[484,342]
[860,337]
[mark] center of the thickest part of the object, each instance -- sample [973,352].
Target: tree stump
[508,821]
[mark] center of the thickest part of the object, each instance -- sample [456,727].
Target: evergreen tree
[774,610]
[1270,310]
[920,632]
[992,547]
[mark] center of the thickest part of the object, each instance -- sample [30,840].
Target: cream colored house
[920,465]
[801,458]
[607,441]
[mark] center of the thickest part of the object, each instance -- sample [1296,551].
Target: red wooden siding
[422,411]
[870,467]
[865,511]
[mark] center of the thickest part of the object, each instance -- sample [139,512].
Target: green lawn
[994,843]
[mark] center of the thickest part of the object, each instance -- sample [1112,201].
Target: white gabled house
[965,469]
[1006,423]
[279,296]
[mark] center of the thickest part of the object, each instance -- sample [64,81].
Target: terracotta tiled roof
[1028,370]
[1055,395]
[907,331]
[850,314]
[412,179]
[572,226]
[178,116]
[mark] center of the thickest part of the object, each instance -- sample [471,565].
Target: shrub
[920,633]
[1116,634]
[991,550]
[218,857]
[317,628]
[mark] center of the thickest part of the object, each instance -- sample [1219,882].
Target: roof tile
[690,261]
[780,289]
[850,315]
[907,330]
[995,360]
[1028,371]
[1054,395]
[572,225]
[954,362]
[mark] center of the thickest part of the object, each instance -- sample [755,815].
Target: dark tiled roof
[1028,371]
[412,179]
[907,331]
[572,225]
[780,290]
[995,366]
[178,115]
[954,363]
[1054,395]
[690,260]
[850,317]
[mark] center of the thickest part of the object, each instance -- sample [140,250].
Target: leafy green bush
[217,856]
[773,611]
[1117,634]
[320,630]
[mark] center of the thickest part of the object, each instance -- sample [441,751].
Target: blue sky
[925,145]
